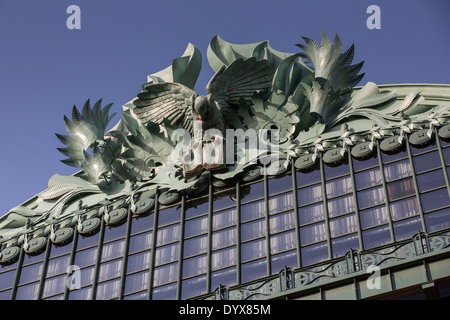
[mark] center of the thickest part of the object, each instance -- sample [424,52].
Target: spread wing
[169,100]
[240,80]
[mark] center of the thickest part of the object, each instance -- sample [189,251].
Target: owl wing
[167,100]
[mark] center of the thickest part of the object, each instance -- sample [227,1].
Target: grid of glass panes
[291,221]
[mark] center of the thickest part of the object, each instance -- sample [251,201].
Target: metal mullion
[238,232]
[98,258]
[383,183]
[355,200]
[296,218]
[441,156]
[44,269]
[125,254]
[18,272]
[153,247]
[416,186]
[325,207]
[71,260]
[180,249]
[209,246]
[266,217]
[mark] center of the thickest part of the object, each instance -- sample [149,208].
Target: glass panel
[86,257]
[405,229]
[193,287]
[309,194]
[254,270]
[343,245]
[368,178]
[312,233]
[311,213]
[392,157]
[427,161]
[285,259]
[169,215]
[166,254]
[57,265]
[54,285]
[136,296]
[404,208]
[253,229]
[108,290]
[366,163]
[168,292]
[370,197]
[253,249]
[376,237]
[223,238]
[282,222]
[142,223]
[81,294]
[224,218]
[140,242]
[372,217]
[256,191]
[342,225]
[7,279]
[5,295]
[59,250]
[438,220]
[136,282]
[84,242]
[195,245]
[115,232]
[281,202]
[305,178]
[113,250]
[194,266]
[252,210]
[435,199]
[397,170]
[338,186]
[28,292]
[314,253]
[138,261]
[223,258]
[283,241]
[197,207]
[196,226]
[331,172]
[31,272]
[165,274]
[431,180]
[225,277]
[341,205]
[277,185]
[168,234]
[87,276]
[415,150]
[224,199]
[110,270]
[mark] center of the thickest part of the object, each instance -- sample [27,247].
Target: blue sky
[45,68]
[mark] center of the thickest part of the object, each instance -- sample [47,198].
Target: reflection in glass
[339,186]
[311,213]
[404,208]
[86,257]
[7,279]
[253,229]
[305,178]
[283,241]
[285,259]
[282,222]
[252,210]
[223,238]
[195,245]
[331,172]
[223,258]
[370,197]
[367,178]
[343,245]
[107,290]
[168,234]
[136,281]
[253,270]
[224,199]
[28,292]
[169,215]
[309,194]
[196,226]
[281,202]
[373,217]
[166,254]
[113,249]
[140,242]
[376,237]
[435,199]
[142,223]
[397,170]
[256,192]
[31,272]
[314,253]
[277,185]
[312,233]
[54,285]
[57,265]
[431,180]
[342,225]
[225,277]
[437,220]
[427,161]
[197,207]
[138,261]
[193,287]
[341,205]
[405,229]
[165,274]
[224,218]
[167,292]
[195,265]
[110,270]
[81,294]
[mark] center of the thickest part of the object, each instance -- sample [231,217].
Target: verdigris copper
[307,100]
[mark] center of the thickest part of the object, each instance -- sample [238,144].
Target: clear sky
[45,68]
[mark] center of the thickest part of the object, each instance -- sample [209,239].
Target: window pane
[343,245]
[366,163]
[279,261]
[331,172]
[376,237]
[252,210]
[282,222]
[254,270]
[400,189]
[311,213]
[136,281]
[223,258]
[404,208]
[196,208]
[309,194]
[194,266]
[113,250]
[281,202]
[305,178]
[225,277]
[435,199]
[115,232]
[196,226]
[31,272]
[427,161]
[54,285]
[108,290]
[166,253]
[168,234]
[405,229]
[431,180]
[277,185]
[312,233]
[339,186]
[342,225]
[165,274]
[7,279]
[372,217]
[314,253]
[370,197]
[195,245]
[28,292]
[253,249]
[367,178]
[142,223]
[224,199]
[437,220]
[138,261]
[283,241]
[223,238]
[57,265]
[86,257]
[168,292]
[256,191]
[141,242]
[224,218]
[253,229]
[81,294]
[397,170]
[110,270]
[169,215]
[341,205]
[87,276]
[193,287]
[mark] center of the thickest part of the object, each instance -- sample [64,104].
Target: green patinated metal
[309,97]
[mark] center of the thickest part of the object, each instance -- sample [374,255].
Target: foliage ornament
[287,108]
